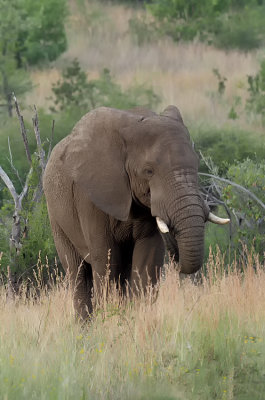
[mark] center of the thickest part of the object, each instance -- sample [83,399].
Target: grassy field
[182,74]
[203,341]
[199,341]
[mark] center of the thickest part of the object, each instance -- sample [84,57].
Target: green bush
[225,146]
[243,30]
[256,88]
[39,239]
[74,90]
[247,228]
[227,24]
[142,30]
[250,214]
[42,37]
[37,236]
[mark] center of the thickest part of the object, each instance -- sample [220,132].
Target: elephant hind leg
[80,272]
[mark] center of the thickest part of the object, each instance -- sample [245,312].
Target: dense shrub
[39,239]
[227,24]
[244,30]
[74,90]
[249,214]
[42,37]
[225,146]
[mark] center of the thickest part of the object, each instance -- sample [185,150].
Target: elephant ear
[173,113]
[98,157]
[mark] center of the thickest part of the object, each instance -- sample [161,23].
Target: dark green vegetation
[229,24]
[74,90]
[31,33]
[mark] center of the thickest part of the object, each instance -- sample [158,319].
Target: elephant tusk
[162,225]
[217,220]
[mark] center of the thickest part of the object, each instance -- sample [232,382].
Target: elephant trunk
[191,248]
[185,236]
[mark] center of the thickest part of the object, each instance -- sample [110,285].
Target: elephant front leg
[106,267]
[80,273]
[147,261]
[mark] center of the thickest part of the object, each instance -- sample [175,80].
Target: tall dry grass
[99,37]
[192,341]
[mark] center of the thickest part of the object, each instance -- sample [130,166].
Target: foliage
[142,30]
[42,37]
[130,2]
[30,32]
[6,211]
[256,88]
[39,238]
[74,90]
[227,145]
[9,131]
[249,213]
[221,81]
[228,24]
[11,80]
[255,103]
[243,30]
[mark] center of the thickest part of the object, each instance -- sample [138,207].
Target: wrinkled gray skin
[107,181]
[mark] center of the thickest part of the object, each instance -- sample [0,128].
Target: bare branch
[242,188]
[51,140]
[10,186]
[25,188]
[22,129]
[11,162]
[41,152]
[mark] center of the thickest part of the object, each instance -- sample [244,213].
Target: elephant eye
[149,172]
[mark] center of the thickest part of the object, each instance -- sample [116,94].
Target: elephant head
[148,159]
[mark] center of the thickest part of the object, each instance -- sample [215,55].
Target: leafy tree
[30,32]
[43,38]
[24,226]
[11,21]
[74,90]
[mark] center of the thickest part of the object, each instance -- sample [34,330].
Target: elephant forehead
[166,151]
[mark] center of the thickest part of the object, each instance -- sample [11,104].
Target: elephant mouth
[183,246]
[162,226]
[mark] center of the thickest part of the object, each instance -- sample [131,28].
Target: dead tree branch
[236,185]
[51,141]
[22,129]
[41,152]
[12,164]
[10,186]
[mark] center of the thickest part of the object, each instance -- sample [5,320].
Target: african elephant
[118,188]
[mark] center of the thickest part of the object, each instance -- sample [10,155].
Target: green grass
[193,342]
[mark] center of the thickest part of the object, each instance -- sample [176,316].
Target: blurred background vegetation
[70,56]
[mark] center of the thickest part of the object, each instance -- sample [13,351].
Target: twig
[249,193]
[22,129]
[51,140]
[10,186]
[41,152]
[11,162]
[26,186]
